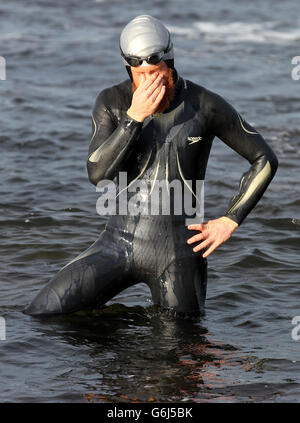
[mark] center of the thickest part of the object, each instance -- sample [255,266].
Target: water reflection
[144,354]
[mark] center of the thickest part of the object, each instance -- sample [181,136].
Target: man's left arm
[227,124]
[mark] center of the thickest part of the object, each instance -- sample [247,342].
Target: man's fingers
[195,238]
[203,244]
[196,227]
[155,94]
[210,250]
[157,83]
[159,96]
[214,232]
[150,80]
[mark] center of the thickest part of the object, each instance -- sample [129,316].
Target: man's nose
[149,72]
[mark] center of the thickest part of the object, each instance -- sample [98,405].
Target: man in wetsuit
[156,126]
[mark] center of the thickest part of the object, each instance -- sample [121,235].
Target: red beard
[169,94]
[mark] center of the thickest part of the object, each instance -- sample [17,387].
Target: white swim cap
[143,36]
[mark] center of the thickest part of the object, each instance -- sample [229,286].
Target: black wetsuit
[152,248]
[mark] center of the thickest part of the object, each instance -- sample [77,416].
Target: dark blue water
[59,55]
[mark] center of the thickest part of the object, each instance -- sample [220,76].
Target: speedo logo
[194,139]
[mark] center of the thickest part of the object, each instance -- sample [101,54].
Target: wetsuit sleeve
[111,139]
[227,124]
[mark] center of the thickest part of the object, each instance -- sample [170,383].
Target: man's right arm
[110,141]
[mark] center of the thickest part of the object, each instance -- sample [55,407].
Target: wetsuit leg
[92,278]
[162,259]
[182,286]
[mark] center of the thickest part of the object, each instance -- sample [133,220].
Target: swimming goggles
[153,59]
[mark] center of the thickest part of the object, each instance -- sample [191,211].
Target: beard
[169,94]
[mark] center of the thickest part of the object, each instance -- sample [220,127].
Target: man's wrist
[134,116]
[233,223]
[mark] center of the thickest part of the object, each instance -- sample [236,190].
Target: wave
[20,36]
[237,32]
